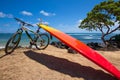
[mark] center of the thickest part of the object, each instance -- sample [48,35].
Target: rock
[70,50]
[94,45]
[59,45]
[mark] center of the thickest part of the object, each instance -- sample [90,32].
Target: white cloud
[4,15]
[26,13]
[47,13]
[35,24]
[43,22]
[9,15]
[44,13]
[39,19]
[79,22]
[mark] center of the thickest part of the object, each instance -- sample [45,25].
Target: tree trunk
[103,39]
[106,42]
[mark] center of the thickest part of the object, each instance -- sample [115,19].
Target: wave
[2,47]
[88,37]
[88,34]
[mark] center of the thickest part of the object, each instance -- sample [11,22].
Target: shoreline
[59,44]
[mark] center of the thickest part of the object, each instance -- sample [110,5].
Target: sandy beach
[53,64]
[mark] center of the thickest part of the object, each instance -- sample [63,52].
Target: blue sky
[64,15]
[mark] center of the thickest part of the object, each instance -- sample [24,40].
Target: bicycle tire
[12,43]
[42,42]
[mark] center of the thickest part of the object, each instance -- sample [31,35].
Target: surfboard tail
[83,49]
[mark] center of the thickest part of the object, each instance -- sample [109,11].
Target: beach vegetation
[115,40]
[104,17]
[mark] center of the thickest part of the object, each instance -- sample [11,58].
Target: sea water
[84,37]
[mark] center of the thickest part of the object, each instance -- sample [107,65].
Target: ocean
[84,37]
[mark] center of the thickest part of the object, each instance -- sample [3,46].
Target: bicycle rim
[42,41]
[12,43]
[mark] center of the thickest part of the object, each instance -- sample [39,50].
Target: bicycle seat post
[38,30]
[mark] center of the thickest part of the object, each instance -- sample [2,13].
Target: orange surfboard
[83,49]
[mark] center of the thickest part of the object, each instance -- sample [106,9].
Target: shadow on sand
[67,67]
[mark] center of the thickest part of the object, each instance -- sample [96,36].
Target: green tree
[103,17]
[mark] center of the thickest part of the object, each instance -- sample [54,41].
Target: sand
[53,64]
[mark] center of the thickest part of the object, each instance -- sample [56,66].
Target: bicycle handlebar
[24,23]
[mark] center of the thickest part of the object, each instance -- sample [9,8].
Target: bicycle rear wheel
[12,43]
[42,42]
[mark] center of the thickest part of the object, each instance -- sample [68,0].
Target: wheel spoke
[42,41]
[12,43]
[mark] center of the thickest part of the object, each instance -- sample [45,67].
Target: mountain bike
[40,40]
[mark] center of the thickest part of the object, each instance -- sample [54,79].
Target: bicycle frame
[23,28]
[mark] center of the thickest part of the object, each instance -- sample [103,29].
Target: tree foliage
[103,17]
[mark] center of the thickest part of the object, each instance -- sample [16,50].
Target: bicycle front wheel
[12,43]
[42,41]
